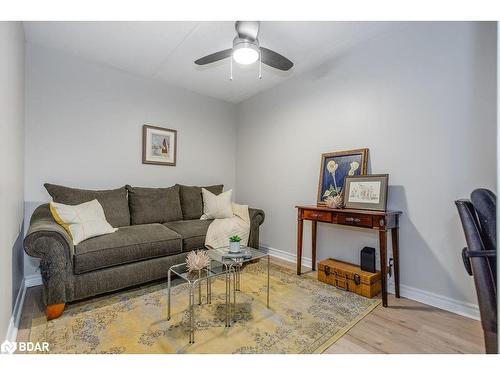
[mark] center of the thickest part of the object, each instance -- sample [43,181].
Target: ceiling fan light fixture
[246,50]
[245,53]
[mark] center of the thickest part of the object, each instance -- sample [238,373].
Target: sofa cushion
[193,232]
[126,245]
[114,202]
[154,205]
[192,200]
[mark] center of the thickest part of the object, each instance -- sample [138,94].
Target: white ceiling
[166,50]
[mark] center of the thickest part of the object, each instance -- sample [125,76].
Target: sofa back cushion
[192,200]
[114,202]
[154,205]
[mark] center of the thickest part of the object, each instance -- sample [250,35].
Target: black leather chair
[478,216]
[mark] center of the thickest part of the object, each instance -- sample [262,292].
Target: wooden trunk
[349,277]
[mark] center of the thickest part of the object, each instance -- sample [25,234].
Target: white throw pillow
[81,221]
[216,206]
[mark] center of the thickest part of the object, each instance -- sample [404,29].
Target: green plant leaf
[234,239]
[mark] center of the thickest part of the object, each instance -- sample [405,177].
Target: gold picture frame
[335,166]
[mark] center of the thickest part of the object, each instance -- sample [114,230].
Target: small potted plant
[234,244]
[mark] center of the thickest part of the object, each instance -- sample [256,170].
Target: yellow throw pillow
[81,221]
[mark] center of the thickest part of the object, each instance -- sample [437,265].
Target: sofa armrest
[257,217]
[49,241]
[45,235]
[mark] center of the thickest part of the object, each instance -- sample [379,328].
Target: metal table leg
[192,286]
[238,276]
[168,288]
[209,285]
[234,294]
[199,288]
[191,312]
[208,290]
[239,279]
[268,264]
[228,291]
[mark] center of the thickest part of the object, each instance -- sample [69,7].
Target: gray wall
[423,100]
[84,129]
[11,166]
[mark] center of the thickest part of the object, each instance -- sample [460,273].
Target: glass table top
[215,268]
[221,255]
[219,263]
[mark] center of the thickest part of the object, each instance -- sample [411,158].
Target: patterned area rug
[305,316]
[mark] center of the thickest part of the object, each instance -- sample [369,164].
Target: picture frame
[367,192]
[159,145]
[335,166]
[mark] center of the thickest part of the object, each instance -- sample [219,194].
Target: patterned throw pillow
[81,221]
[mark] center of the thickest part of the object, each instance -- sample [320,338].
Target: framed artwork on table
[366,192]
[159,145]
[334,168]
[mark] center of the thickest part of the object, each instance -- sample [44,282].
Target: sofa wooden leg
[54,311]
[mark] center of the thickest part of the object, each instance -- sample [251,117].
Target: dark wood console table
[381,221]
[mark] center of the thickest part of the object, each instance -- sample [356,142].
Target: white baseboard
[27,282]
[16,314]
[33,280]
[467,309]
[285,255]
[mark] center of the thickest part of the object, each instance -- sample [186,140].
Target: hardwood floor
[405,326]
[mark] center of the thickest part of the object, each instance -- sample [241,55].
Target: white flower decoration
[354,168]
[332,166]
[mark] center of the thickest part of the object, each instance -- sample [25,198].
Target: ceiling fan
[246,49]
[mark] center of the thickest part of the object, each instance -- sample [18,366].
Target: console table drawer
[355,220]
[317,215]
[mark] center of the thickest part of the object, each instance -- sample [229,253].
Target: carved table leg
[314,226]
[395,255]
[300,224]
[383,264]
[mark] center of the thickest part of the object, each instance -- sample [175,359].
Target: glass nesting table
[221,265]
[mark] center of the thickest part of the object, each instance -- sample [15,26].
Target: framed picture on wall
[366,192]
[159,145]
[334,168]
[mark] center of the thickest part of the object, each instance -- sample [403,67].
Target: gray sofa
[157,226]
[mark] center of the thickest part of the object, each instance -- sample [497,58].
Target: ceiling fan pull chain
[231,68]
[260,64]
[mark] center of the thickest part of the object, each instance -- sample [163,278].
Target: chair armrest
[481,253]
[45,235]
[467,254]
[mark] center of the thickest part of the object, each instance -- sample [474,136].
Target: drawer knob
[352,219]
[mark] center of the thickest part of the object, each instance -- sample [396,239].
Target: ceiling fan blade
[214,57]
[275,60]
